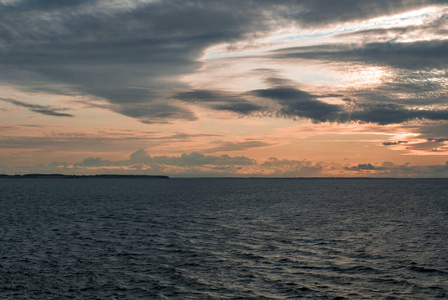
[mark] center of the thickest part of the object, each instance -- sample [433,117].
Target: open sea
[223,239]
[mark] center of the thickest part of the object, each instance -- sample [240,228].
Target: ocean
[223,238]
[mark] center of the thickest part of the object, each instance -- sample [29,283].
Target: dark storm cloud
[133,55]
[40,109]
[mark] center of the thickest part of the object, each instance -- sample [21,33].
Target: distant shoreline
[122,176]
[101,176]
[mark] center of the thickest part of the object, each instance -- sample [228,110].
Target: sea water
[223,238]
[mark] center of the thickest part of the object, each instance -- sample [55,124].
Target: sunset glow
[230,88]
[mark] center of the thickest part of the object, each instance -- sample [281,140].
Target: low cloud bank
[200,165]
[192,159]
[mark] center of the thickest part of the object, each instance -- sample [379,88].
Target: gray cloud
[389,169]
[133,55]
[40,109]
[220,101]
[417,69]
[199,165]
[13,139]
[237,146]
[434,29]
[302,104]
[292,168]
[297,103]
[198,159]
[155,112]
[431,136]
[322,12]
[394,143]
[393,113]
[416,55]
[362,167]
[185,160]
[439,140]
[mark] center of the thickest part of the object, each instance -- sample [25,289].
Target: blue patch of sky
[280,37]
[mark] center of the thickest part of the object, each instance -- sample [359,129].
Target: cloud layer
[133,55]
[200,165]
[40,109]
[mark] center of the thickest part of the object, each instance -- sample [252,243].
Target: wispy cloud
[237,146]
[40,109]
[219,100]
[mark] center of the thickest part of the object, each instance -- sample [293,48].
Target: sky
[204,88]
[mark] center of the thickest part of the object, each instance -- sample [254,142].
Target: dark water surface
[223,239]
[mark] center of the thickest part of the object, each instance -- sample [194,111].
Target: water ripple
[223,239]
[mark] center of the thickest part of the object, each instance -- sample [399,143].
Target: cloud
[394,143]
[292,168]
[198,159]
[299,103]
[408,79]
[412,77]
[393,113]
[185,160]
[430,28]
[326,12]
[149,113]
[219,101]
[140,157]
[130,56]
[414,55]
[389,169]
[440,140]
[133,54]
[40,109]
[429,138]
[200,165]
[361,167]
[48,139]
[237,146]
